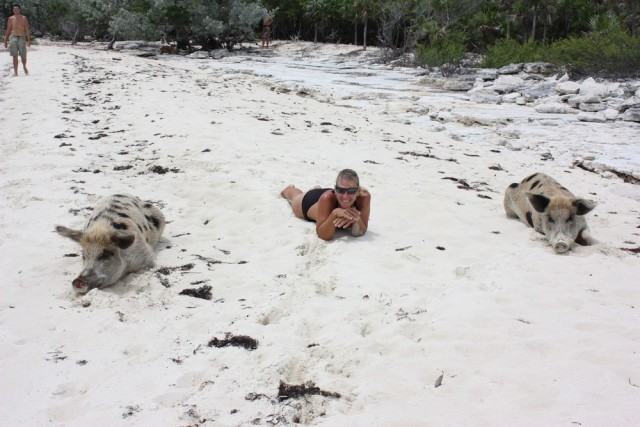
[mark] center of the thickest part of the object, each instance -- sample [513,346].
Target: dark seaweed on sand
[235,341]
[292,391]
[203,292]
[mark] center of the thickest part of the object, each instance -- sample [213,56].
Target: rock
[511,98]
[567,87]
[553,108]
[610,114]
[574,101]
[128,45]
[218,53]
[593,118]
[199,55]
[510,69]
[591,87]
[487,73]
[459,84]
[633,102]
[592,107]
[508,84]
[484,96]
[632,115]
[540,90]
[539,67]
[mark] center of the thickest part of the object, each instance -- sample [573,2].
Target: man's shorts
[18,46]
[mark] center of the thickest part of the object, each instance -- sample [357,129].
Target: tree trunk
[75,36]
[533,25]
[355,33]
[633,12]
[364,32]
[315,33]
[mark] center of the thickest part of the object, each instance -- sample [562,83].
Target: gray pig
[118,239]
[542,203]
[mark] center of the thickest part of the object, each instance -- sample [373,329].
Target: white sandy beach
[446,313]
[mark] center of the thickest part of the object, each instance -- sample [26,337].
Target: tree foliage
[399,25]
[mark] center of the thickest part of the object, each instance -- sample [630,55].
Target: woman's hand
[346,217]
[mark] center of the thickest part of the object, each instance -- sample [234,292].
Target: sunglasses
[342,190]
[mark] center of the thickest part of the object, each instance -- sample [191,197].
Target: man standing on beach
[18,37]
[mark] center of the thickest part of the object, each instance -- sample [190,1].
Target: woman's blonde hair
[351,176]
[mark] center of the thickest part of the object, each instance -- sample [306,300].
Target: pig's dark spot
[529,218]
[580,239]
[120,196]
[105,255]
[123,215]
[147,205]
[119,225]
[140,228]
[535,184]
[235,341]
[529,178]
[152,219]
[564,188]
[514,185]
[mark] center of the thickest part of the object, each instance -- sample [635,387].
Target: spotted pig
[542,203]
[118,239]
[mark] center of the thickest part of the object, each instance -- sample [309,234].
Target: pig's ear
[123,240]
[538,201]
[583,206]
[75,235]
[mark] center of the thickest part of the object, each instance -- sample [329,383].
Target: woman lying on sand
[345,206]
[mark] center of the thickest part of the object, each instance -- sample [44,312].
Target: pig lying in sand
[118,239]
[542,203]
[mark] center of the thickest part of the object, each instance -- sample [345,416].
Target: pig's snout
[561,246]
[80,285]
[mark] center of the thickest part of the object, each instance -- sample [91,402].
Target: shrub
[612,53]
[510,51]
[445,52]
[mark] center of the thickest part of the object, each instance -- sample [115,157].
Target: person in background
[266,31]
[346,206]
[18,37]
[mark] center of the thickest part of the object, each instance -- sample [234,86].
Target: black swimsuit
[310,198]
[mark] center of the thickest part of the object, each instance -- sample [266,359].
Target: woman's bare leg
[294,197]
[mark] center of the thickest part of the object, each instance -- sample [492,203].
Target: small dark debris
[440,248]
[402,249]
[122,168]
[98,136]
[203,292]
[496,168]
[168,270]
[233,411]
[326,124]
[71,255]
[162,170]
[632,250]
[484,196]
[130,410]
[313,345]
[61,135]
[255,396]
[439,380]
[64,144]
[495,232]
[81,362]
[235,341]
[471,155]
[176,360]
[372,162]
[206,150]
[292,391]
[211,261]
